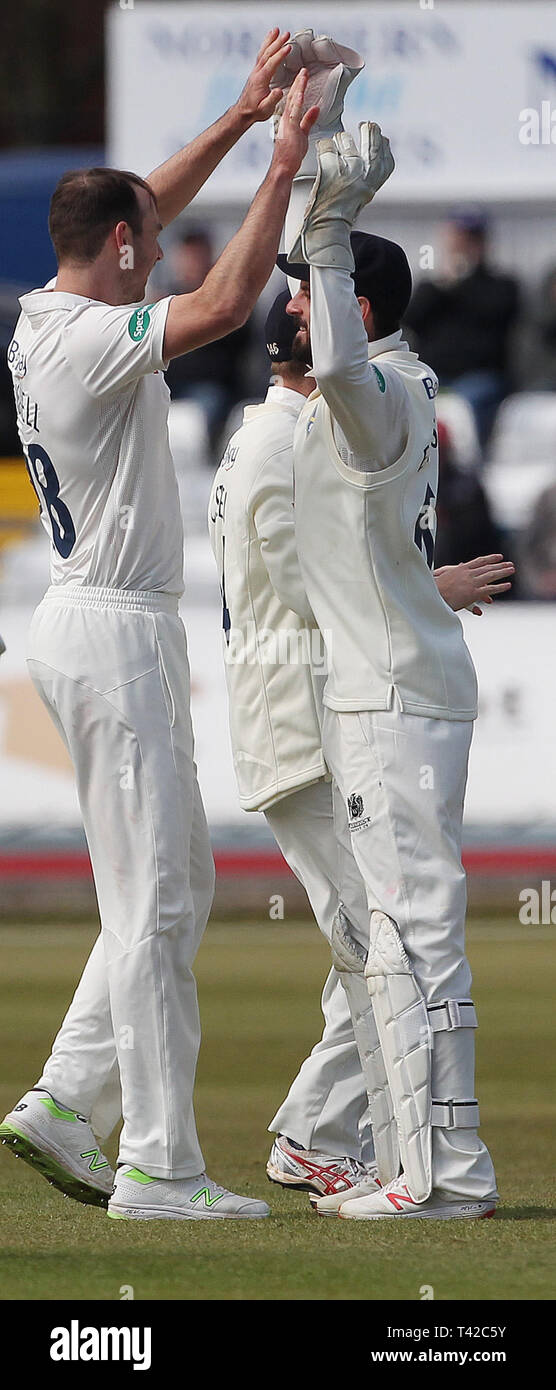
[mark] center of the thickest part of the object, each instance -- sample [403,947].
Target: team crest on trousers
[356,807]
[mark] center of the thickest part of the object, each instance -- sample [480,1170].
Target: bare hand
[292,137]
[475,581]
[257,102]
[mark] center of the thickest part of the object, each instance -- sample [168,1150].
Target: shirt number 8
[47,486]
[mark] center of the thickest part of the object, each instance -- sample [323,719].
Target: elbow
[234,313]
[328,370]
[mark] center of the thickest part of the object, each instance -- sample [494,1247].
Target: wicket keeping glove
[331,68]
[347,179]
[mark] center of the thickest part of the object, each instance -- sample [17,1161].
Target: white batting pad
[349,959]
[405,1037]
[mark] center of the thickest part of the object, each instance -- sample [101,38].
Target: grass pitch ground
[259,992]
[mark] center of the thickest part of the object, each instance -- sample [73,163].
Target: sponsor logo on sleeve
[380,379]
[139,323]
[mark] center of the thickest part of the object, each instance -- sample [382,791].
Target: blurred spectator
[462,319]
[537,565]
[538,337]
[464,524]
[215,376]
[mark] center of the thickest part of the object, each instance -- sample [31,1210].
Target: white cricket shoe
[395,1200]
[61,1145]
[366,1187]
[310,1171]
[137,1197]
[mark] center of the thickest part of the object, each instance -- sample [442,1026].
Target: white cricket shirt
[366,481]
[274,722]
[92,411]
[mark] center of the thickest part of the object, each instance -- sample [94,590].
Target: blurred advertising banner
[466,91]
[512,777]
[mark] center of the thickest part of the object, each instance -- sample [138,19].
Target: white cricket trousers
[402,780]
[326,1105]
[112,669]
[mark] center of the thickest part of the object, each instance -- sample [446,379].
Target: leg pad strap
[455,1114]
[452,1013]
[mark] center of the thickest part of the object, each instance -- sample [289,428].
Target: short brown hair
[86,205]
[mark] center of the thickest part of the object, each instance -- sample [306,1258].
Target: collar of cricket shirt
[392,343]
[47,297]
[283,395]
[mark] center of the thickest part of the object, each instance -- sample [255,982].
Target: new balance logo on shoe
[96,1160]
[209,1201]
[397,1198]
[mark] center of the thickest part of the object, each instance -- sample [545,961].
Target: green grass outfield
[259,992]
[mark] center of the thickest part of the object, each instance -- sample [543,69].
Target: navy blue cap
[469,217]
[280,329]
[381,274]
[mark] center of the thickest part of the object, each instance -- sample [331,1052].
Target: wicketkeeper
[401,692]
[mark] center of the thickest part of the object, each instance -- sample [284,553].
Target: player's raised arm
[369,407]
[179,179]
[234,284]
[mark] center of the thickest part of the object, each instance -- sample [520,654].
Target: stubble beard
[301,347]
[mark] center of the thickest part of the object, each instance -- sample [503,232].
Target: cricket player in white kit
[107,652]
[401,691]
[271,651]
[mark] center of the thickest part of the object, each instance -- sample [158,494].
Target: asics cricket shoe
[61,1145]
[395,1200]
[366,1187]
[307,1170]
[137,1197]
